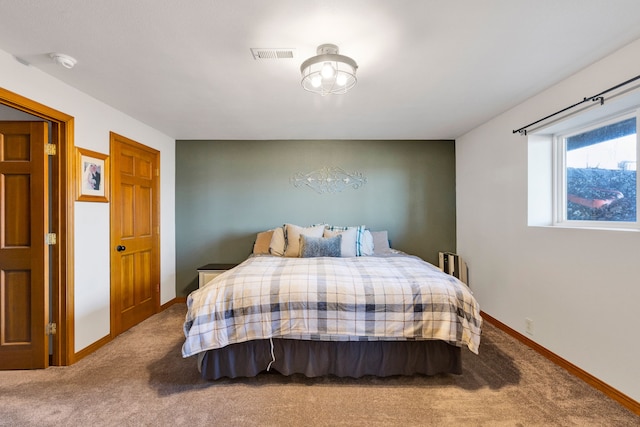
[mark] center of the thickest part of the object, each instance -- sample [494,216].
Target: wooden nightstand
[209,271]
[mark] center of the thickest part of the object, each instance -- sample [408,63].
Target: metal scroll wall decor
[328,180]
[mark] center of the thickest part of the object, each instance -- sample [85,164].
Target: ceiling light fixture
[65,60]
[328,72]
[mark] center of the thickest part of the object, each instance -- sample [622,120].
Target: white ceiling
[428,69]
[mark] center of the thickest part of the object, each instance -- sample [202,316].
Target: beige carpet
[140,379]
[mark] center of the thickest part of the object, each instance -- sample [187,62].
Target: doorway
[60,266]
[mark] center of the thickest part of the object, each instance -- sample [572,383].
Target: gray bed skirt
[344,359]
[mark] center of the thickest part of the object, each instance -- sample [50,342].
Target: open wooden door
[135,233]
[24,308]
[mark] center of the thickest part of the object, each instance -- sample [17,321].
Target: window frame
[559,179]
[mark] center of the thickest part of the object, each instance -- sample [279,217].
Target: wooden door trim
[113,137]
[61,262]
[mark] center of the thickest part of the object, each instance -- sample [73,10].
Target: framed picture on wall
[92,176]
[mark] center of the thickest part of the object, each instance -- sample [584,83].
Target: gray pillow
[380,242]
[320,246]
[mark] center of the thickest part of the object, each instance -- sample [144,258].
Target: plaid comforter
[334,299]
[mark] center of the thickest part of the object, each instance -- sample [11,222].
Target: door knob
[121,248]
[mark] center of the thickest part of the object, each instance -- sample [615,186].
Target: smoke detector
[65,60]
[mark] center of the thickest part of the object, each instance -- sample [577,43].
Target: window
[596,174]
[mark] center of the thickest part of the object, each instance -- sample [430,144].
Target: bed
[322,313]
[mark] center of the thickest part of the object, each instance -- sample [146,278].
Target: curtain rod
[598,97]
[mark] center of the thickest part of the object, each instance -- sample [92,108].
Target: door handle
[121,248]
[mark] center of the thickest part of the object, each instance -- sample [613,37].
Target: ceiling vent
[262,53]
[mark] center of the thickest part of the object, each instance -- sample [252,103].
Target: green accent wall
[227,191]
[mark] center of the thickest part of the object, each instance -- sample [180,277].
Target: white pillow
[348,246]
[276,247]
[292,235]
[366,246]
[362,247]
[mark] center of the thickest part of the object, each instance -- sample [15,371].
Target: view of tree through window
[601,173]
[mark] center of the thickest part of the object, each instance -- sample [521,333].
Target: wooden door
[24,288]
[135,229]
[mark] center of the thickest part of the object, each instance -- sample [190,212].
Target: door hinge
[50,149]
[51,329]
[50,239]
[157,172]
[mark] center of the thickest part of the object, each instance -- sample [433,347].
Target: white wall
[580,287]
[93,122]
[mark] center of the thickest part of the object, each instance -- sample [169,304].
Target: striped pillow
[361,244]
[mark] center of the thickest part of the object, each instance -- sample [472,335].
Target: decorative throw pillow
[277,244]
[320,246]
[348,247]
[262,243]
[292,235]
